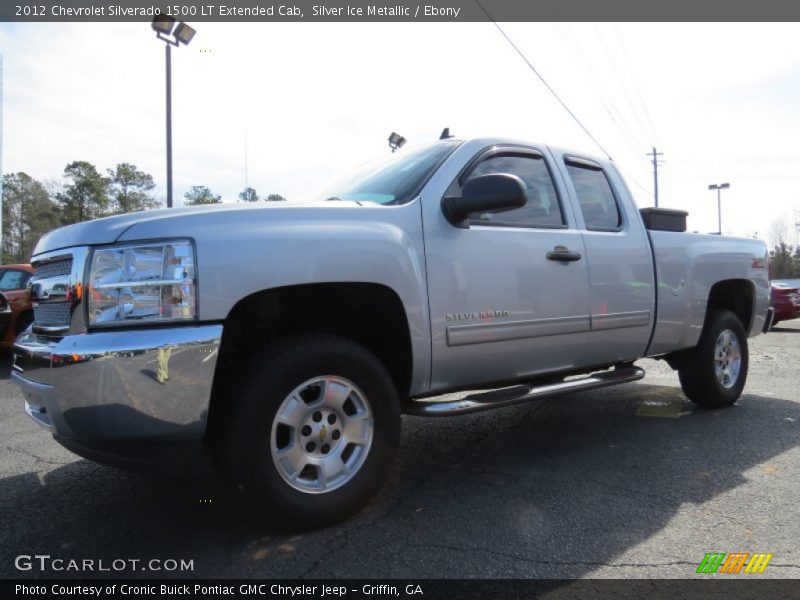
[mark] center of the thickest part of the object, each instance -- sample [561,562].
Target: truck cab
[573,267]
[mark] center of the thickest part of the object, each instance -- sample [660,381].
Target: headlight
[142,283]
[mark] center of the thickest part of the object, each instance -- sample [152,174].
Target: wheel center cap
[321,432]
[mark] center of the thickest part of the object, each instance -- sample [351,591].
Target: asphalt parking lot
[630,481]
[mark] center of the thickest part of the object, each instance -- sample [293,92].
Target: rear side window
[596,199]
[542,209]
[13,280]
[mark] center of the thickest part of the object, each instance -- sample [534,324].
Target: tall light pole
[1,158]
[719,187]
[183,34]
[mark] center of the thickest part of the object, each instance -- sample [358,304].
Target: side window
[542,209]
[598,205]
[13,280]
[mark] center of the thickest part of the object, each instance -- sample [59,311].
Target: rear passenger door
[619,259]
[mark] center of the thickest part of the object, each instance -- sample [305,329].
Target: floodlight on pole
[396,141]
[719,187]
[183,33]
[164,26]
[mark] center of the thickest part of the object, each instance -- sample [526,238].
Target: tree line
[784,257]
[784,261]
[32,208]
[200,194]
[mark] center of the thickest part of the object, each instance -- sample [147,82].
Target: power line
[635,82]
[754,161]
[608,104]
[543,80]
[739,176]
[631,179]
[621,125]
[621,86]
[556,96]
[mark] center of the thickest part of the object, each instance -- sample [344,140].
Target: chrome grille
[54,268]
[52,314]
[52,274]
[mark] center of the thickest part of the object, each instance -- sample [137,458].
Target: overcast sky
[722,101]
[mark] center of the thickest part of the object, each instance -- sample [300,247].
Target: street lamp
[163,26]
[719,187]
[396,141]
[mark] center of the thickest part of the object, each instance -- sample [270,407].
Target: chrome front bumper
[124,386]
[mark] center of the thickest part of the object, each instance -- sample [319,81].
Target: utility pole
[655,156]
[719,187]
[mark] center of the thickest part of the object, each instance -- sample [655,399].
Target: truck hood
[109,229]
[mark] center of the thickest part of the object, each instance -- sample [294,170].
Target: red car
[785,300]
[19,312]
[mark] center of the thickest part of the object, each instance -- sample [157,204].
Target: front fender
[241,253]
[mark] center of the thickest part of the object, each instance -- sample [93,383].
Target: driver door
[503,307]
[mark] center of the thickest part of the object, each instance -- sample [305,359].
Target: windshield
[392,180]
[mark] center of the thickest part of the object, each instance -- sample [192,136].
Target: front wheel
[311,430]
[713,374]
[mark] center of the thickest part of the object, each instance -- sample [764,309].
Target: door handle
[562,253]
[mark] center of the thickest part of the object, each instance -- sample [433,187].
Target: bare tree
[779,231]
[783,258]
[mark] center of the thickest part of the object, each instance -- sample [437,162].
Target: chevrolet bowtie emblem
[322,433]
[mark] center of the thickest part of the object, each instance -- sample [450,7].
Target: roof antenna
[445,135]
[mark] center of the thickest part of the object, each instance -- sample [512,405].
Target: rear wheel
[713,374]
[311,430]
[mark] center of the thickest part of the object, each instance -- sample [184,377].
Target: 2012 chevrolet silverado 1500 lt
[287,339]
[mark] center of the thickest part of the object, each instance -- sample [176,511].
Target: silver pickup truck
[285,340]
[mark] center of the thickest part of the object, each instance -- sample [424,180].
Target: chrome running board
[521,393]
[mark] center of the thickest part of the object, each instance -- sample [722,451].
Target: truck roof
[480,142]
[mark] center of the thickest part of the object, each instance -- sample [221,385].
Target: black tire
[243,441]
[697,372]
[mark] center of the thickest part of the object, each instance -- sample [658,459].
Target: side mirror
[487,193]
